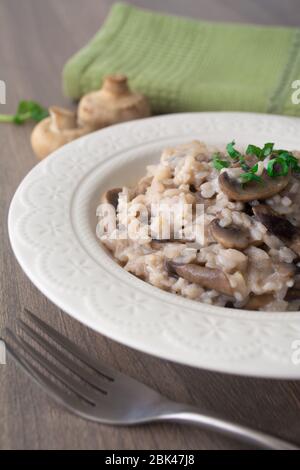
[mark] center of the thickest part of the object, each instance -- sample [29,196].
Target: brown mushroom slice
[279,226]
[229,237]
[258,301]
[206,277]
[111,197]
[236,191]
[294,292]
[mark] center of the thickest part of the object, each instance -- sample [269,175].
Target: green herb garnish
[218,163]
[232,152]
[254,150]
[247,177]
[267,149]
[290,159]
[277,162]
[26,110]
[278,166]
[260,153]
[250,175]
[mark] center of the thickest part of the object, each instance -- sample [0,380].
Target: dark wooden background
[36,38]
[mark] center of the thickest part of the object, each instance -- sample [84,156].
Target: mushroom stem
[116,85]
[56,130]
[61,119]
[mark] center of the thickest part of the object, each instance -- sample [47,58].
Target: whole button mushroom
[113,103]
[55,131]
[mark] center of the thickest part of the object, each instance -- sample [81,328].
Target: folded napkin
[187,65]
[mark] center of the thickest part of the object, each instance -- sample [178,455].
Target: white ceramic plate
[52,230]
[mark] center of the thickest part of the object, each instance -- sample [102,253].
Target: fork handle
[243,433]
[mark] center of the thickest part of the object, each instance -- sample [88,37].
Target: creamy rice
[265,269]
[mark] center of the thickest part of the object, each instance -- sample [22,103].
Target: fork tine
[95,381]
[72,348]
[71,402]
[66,379]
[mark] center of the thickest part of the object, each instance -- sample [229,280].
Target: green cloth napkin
[187,65]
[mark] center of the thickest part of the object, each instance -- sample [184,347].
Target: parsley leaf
[26,110]
[278,167]
[218,163]
[260,153]
[232,152]
[250,175]
[254,150]
[247,177]
[267,149]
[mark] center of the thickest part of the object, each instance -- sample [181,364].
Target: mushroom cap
[111,196]
[211,278]
[229,237]
[236,191]
[62,119]
[113,103]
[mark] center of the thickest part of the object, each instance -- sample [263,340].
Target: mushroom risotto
[217,227]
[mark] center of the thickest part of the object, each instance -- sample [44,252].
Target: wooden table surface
[36,38]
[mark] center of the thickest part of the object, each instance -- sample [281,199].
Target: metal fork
[105,395]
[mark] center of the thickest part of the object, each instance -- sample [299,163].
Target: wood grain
[36,38]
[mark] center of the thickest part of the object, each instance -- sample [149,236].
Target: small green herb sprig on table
[26,110]
[278,163]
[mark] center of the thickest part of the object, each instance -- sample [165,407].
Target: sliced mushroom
[111,197]
[255,302]
[205,277]
[236,191]
[294,292]
[229,237]
[279,226]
